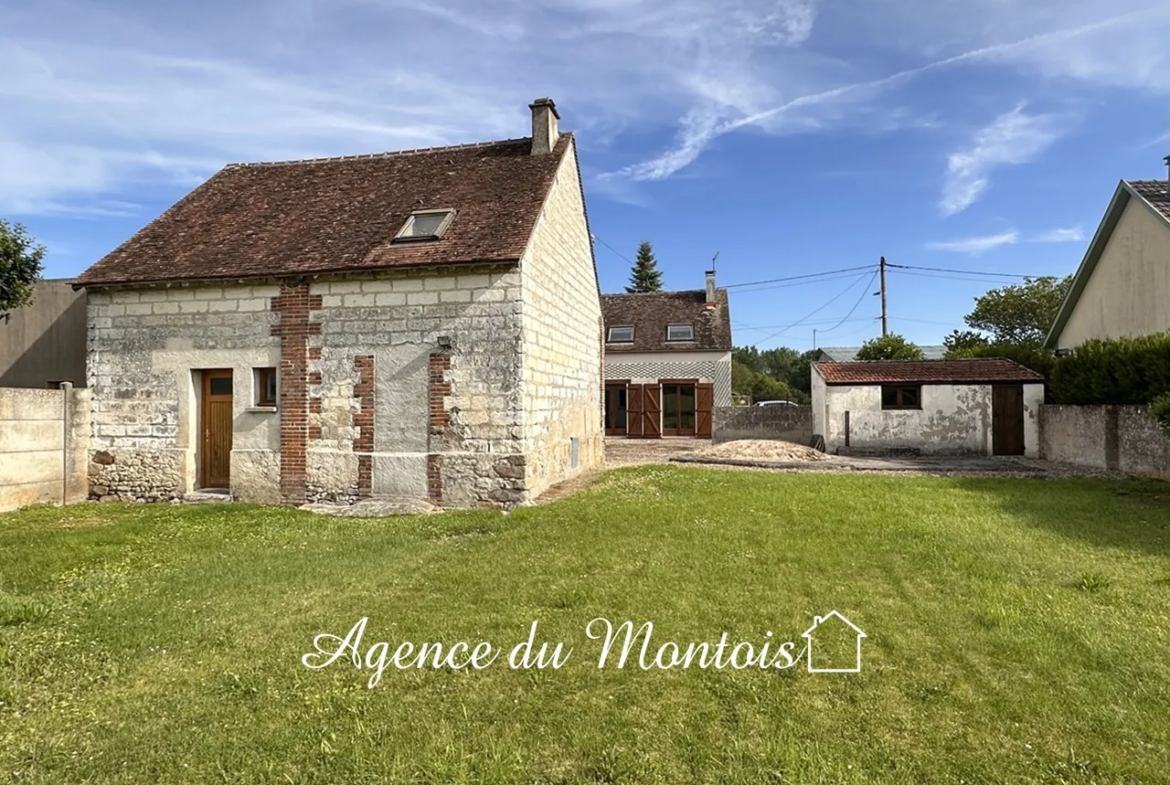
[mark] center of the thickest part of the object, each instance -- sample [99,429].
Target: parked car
[776,403]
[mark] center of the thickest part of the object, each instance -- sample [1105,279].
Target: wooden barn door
[652,411]
[634,398]
[704,410]
[1007,419]
[215,424]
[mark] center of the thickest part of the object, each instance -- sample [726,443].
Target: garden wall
[44,446]
[1122,438]
[784,423]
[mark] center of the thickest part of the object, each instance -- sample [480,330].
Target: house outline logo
[808,636]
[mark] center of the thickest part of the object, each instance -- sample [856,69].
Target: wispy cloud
[695,136]
[1015,137]
[976,245]
[1073,235]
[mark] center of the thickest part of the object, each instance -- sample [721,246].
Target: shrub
[1118,371]
[1042,361]
[1160,411]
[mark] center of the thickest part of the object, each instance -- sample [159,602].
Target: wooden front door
[215,424]
[1007,419]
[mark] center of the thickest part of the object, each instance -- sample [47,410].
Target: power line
[855,306]
[940,276]
[833,299]
[799,277]
[963,272]
[766,327]
[794,284]
[610,247]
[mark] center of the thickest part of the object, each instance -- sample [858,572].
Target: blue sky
[790,136]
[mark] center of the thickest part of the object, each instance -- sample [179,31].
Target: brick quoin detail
[294,329]
[363,420]
[437,389]
[435,478]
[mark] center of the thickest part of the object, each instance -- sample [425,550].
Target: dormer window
[623,334]
[425,225]
[680,332]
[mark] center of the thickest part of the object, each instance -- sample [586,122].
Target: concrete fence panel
[44,446]
[783,423]
[1122,438]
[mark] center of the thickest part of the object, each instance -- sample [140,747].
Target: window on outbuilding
[680,332]
[265,387]
[425,225]
[901,396]
[623,334]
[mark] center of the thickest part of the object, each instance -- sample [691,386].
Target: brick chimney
[711,288]
[544,125]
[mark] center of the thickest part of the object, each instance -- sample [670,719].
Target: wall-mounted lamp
[444,342]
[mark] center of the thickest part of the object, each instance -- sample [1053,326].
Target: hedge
[1116,371]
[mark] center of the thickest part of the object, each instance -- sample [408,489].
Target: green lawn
[1018,632]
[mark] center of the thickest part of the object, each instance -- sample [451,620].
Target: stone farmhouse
[420,325]
[667,361]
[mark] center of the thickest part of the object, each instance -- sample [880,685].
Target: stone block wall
[443,418]
[44,446]
[145,347]
[562,324]
[1118,438]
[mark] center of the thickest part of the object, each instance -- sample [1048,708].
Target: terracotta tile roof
[967,371]
[339,214]
[649,314]
[1156,192]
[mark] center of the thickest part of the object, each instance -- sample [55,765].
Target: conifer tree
[645,275]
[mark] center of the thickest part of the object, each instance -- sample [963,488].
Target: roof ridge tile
[369,156]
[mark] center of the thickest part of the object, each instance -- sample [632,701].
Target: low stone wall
[44,446]
[1121,438]
[784,423]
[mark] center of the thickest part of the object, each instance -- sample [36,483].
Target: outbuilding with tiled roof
[979,406]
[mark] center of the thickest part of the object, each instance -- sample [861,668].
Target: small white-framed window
[265,387]
[425,225]
[623,334]
[680,332]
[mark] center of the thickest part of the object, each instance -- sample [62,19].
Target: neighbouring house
[1122,287]
[43,343]
[667,361]
[848,354]
[973,406]
[419,325]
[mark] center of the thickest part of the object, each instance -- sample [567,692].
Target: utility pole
[814,337]
[882,269]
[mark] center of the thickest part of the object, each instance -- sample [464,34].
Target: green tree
[962,340]
[743,378]
[20,267]
[645,275]
[889,347]
[1019,313]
